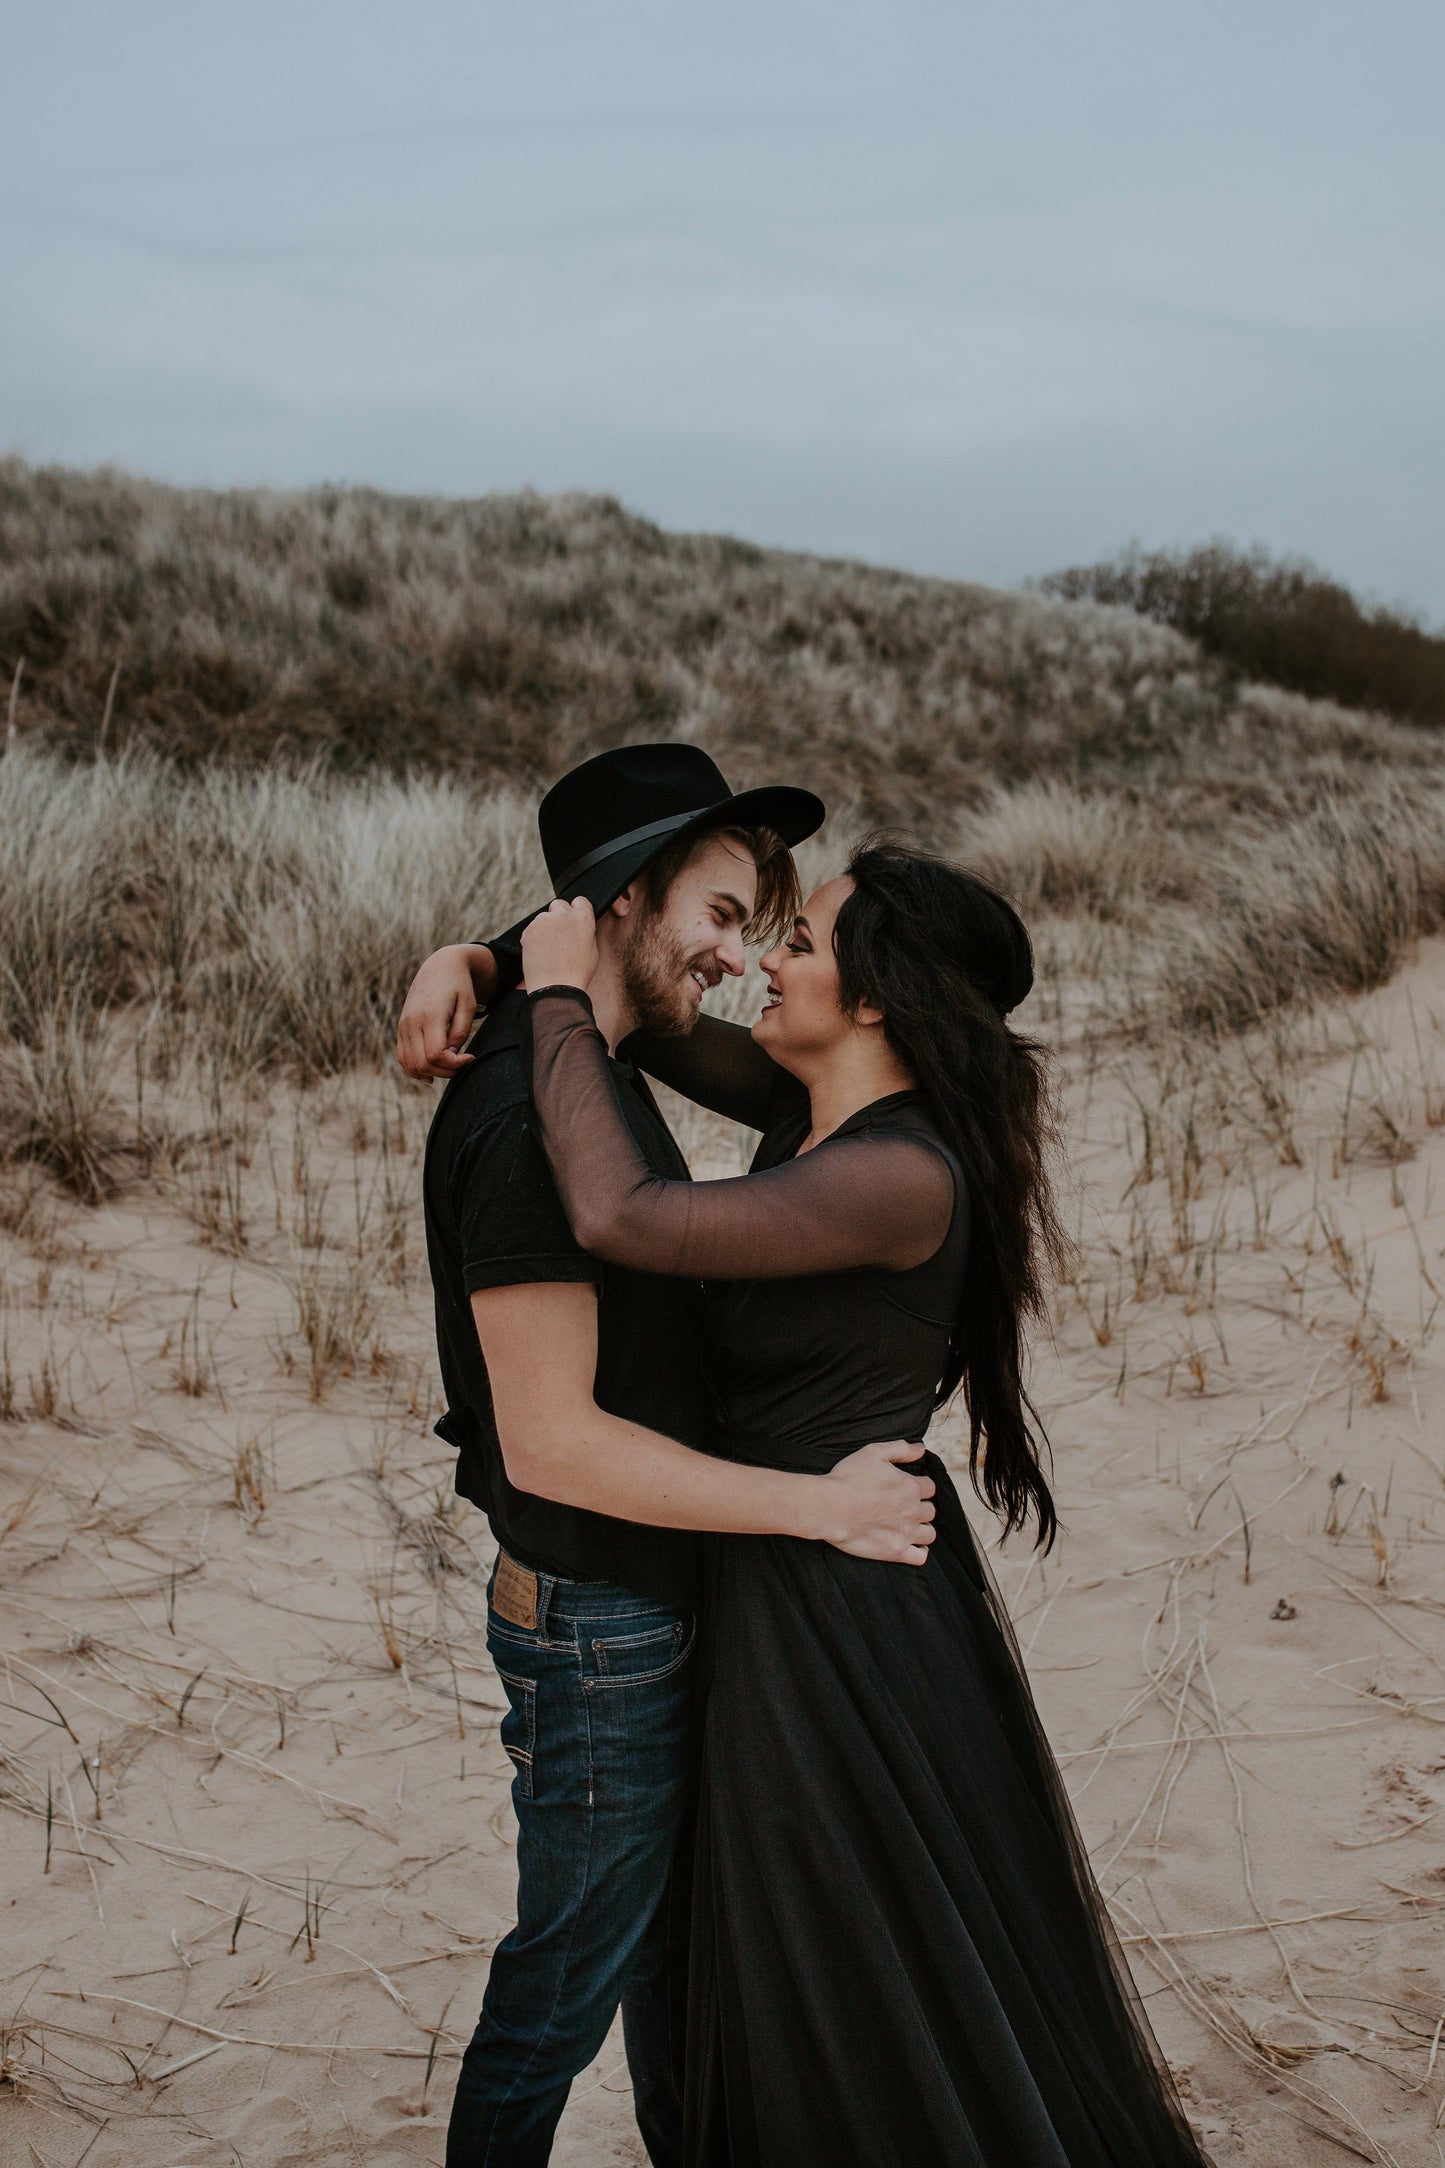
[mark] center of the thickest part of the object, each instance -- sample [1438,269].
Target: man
[575,1400]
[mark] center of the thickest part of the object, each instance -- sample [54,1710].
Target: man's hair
[779,896]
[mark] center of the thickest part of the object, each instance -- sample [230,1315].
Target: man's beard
[655,980]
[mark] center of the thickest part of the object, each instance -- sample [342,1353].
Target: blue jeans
[599,1696]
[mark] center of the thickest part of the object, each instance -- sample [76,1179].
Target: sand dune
[257,1829]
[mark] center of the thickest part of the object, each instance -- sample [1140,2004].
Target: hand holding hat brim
[559,946]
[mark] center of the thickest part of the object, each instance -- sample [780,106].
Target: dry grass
[161,924]
[505,637]
[207,927]
[1225,849]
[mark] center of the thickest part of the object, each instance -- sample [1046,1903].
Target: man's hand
[559,947]
[441,1007]
[876,1509]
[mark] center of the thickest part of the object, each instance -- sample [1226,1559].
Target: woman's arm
[719,1065]
[862,1200]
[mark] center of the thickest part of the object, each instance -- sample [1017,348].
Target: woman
[899,1957]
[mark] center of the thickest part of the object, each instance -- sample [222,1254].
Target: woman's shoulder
[908,1120]
[907,1117]
[904,1114]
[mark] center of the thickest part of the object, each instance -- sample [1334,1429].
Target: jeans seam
[529,1703]
[540,2040]
[591,1757]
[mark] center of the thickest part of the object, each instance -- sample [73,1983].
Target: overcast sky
[971,290]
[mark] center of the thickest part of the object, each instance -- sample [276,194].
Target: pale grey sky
[971,290]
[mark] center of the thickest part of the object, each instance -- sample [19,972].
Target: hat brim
[795,815]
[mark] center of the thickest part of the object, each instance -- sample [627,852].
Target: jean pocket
[638,1659]
[519,1728]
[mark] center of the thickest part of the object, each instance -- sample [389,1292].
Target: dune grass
[1281,620]
[269,750]
[506,637]
[222,924]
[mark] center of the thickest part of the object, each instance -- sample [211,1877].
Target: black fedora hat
[603,821]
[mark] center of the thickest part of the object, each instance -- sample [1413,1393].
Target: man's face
[671,955]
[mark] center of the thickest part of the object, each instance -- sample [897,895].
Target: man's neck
[610,1005]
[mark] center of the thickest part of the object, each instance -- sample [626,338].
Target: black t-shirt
[494,1219]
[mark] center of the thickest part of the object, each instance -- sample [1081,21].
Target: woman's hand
[877,1510]
[559,947]
[441,1007]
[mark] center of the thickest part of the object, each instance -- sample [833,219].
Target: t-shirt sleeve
[514,1231]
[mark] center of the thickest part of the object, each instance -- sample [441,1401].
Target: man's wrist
[810,1511]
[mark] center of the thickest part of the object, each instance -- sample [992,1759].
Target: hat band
[645,834]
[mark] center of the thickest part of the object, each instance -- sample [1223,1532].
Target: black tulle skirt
[898,1955]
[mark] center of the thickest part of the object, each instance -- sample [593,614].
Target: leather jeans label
[514,1593]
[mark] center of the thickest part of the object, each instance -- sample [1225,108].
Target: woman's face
[802,1021]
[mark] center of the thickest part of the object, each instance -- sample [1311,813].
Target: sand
[257,1833]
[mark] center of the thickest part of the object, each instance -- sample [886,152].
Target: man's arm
[539,1341]
[444,997]
[441,1007]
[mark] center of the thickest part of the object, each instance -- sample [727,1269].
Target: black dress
[899,1957]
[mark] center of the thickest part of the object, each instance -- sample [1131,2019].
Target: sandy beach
[258,1839]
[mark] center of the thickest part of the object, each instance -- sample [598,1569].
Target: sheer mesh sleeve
[719,1065]
[857,1200]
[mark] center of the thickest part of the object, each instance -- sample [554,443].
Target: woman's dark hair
[945,958]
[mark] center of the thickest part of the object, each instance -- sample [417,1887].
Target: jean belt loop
[546,1582]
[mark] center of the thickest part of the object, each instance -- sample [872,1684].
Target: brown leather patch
[514,1592]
